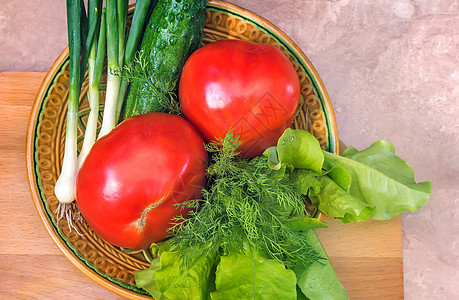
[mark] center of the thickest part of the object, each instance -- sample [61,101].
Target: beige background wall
[391,68]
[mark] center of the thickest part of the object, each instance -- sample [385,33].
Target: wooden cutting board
[367,256]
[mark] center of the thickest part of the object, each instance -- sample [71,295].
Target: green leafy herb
[332,200]
[355,186]
[257,278]
[296,149]
[167,278]
[178,282]
[381,179]
[246,201]
[138,71]
[318,280]
[145,279]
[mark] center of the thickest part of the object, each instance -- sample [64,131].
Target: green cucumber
[173,32]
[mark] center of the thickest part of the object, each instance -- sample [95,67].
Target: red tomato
[127,186]
[249,88]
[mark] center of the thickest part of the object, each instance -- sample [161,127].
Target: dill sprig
[245,203]
[138,70]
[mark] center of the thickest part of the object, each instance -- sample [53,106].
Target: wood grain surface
[367,256]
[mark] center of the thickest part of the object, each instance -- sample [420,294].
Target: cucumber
[173,32]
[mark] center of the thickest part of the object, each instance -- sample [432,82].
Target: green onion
[90,36]
[95,68]
[81,30]
[65,185]
[88,29]
[122,9]
[84,31]
[113,79]
[142,8]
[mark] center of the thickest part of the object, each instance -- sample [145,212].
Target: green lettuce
[297,149]
[381,179]
[145,279]
[333,198]
[304,223]
[318,280]
[305,180]
[355,186]
[169,278]
[177,281]
[250,276]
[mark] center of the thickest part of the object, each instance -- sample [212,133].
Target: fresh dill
[138,70]
[245,203]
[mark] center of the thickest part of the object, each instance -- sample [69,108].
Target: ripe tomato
[249,88]
[132,178]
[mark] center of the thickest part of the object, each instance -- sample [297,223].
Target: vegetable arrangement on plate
[188,164]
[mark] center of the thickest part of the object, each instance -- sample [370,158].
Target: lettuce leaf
[304,180]
[318,280]
[241,276]
[355,186]
[329,192]
[177,281]
[145,279]
[334,201]
[381,179]
[298,149]
[304,223]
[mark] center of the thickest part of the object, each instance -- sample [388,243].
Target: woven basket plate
[108,265]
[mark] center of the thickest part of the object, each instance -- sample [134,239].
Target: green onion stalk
[65,185]
[137,27]
[95,69]
[89,26]
[85,42]
[109,120]
[121,10]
